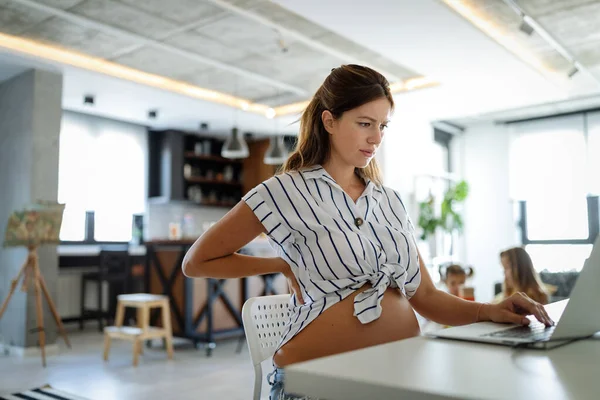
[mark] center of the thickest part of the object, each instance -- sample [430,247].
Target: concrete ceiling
[574,24]
[402,38]
[130,102]
[252,49]
[478,74]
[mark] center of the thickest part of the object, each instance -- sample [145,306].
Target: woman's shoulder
[393,194]
[281,183]
[386,189]
[281,178]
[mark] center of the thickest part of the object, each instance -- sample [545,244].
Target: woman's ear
[328,121]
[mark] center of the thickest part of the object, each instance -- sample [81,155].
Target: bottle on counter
[175,229]
[188,226]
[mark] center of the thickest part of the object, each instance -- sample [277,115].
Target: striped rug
[42,393]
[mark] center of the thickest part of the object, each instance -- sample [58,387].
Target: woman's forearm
[233,266]
[447,309]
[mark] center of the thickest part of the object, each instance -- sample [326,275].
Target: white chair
[264,320]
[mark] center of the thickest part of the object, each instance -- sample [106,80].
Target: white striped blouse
[334,245]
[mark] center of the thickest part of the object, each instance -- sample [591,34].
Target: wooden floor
[81,371]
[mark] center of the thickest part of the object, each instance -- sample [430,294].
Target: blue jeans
[276,379]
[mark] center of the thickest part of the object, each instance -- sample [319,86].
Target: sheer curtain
[593,155]
[102,168]
[554,167]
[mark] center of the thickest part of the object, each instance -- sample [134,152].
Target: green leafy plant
[447,218]
[427,218]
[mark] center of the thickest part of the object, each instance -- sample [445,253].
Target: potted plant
[444,215]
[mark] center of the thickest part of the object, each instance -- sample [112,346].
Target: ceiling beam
[544,34]
[312,43]
[89,23]
[171,33]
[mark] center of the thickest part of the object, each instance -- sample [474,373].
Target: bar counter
[204,309]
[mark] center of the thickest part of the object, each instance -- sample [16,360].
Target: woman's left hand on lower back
[515,309]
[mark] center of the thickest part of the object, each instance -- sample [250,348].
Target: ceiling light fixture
[482,22]
[281,42]
[540,30]
[270,113]
[526,28]
[152,114]
[235,146]
[492,30]
[292,108]
[89,99]
[277,152]
[413,84]
[573,71]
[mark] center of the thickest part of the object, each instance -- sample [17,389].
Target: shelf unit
[187,168]
[190,155]
[181,163]
[195,179]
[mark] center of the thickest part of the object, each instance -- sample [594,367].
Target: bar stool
[115,269]
[143,303]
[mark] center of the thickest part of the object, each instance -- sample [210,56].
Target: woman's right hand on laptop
[515,309]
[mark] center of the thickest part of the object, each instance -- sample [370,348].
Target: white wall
[408,143]
[480,156]
[489,216]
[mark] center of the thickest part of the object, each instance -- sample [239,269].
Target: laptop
[575,318]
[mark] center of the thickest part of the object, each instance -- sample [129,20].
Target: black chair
[115,269]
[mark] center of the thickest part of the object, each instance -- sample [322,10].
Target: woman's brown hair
[346,88]
[524,276]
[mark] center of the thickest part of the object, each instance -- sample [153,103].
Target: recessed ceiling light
[526,28]
[152,114]
[89,99]
[573,71]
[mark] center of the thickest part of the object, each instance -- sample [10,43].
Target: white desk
[427,368]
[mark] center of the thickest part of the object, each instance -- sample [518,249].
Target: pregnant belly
[337,330]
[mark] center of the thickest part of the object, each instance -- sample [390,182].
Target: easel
[32,275]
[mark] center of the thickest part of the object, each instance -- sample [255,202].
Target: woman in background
[520,276]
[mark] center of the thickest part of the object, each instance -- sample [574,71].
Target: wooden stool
[143,302]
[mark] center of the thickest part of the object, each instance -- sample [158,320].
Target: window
[558,257]
[593,154]
[553,175]
[557,219]
[102,168]
[442,159]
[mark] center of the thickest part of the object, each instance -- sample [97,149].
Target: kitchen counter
[260,244]
[205,309]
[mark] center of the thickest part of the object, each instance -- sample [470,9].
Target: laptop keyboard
[536,331]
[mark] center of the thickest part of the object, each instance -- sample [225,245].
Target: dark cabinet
[165,165]
[188,167]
